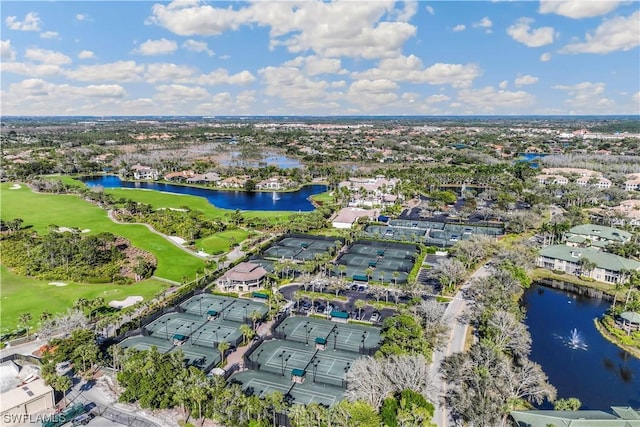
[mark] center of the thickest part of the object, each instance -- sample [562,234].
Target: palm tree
[255,316]
[61,383]
[46,315]
[24,320]
[360,304]
[368,272]
[222,348]
[247,333]
[395,275]
[342,269]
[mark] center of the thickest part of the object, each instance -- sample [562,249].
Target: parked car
[375,317]
[354,287]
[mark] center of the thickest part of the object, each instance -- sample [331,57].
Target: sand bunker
[57,284]
[129,301]
[86,230]
[176,239]
[15,187]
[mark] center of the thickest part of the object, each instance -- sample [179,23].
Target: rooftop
[245,271]
[603,260]
[603,232]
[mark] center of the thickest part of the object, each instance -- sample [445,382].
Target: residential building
[552,179]
[144,172]
[621,417]
[22,393]
[609,268]
[633,182]
[244,277]
[275,183]
[569,171]
[598,236]
[207,178]
[234,181]
[179,176]
[594,181]
[346,217]
[375,186]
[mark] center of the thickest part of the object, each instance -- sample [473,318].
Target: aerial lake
[578,360]
[226,199]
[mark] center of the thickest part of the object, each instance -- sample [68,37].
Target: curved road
[455,344]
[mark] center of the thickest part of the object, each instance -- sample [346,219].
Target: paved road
[455,344]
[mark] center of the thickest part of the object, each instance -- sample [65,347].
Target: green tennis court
[240,310]
[344,336]
[174,324]
[142,343]
[203,303]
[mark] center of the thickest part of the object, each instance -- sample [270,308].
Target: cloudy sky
[212,58]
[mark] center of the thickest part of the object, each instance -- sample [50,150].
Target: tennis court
[262,383]
[344,336]
[171,324]
[214,332]
[203,303]
[301,248]
[281,357]
[240,310]
[379,261]
[279,252]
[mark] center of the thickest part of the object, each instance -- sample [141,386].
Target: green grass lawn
[220,242]
[325,197]
[41,210]
[26,295]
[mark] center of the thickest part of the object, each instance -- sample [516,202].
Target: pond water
[226,199]
[578,360]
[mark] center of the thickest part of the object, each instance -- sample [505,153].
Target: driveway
[455,344]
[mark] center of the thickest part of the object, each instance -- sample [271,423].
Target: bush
[388,412]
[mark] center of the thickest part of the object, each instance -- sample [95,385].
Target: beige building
[244,277]
[23,394]
[346,217]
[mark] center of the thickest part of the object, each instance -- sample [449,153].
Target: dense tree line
[69,256]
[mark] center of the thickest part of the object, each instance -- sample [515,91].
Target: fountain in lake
[275,196]
[575,340]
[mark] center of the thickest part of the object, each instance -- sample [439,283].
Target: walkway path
[171,239]
[455,344]
[237,356]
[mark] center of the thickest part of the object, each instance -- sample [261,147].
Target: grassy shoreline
[634,351]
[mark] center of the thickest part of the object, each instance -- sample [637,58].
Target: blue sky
[320,58]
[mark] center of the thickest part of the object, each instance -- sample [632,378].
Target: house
[274,183]
[571,171]
[144,172]
[179,176]
[376,186]
[552,179]
[608,268]
[621,417]
[234,181]
[633,182]
[244,277]
[346,217]
[207,178]
[22,393]
[594,181]
[598,236]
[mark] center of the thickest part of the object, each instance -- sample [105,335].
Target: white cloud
[545,57]
[430,10]
[47,56]
[586,97]
[175,93]
[410,9]
[39,88]
[522,32]
[578,8]
[31,22]
[459,27]
[410,69]
[6,52]
[225,103]
[168,72]
[525,80]
[484,23]
[196,46]
[86,54]
[614,34]
[636,99]
[503,84]
[49,35]
[157,47]
[120,71]
[434,99]
[81,17]
[372,94]
[220,76]
[315,65]
[31,70]
[353,29]
[489,99]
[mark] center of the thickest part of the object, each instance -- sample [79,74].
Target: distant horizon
[328,116]
[320,58]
